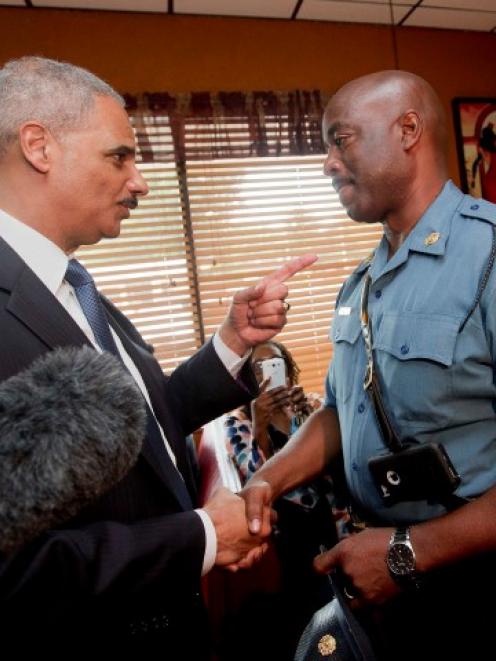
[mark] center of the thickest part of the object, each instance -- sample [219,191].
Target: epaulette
[478,208]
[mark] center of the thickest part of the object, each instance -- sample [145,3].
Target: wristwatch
[400,558]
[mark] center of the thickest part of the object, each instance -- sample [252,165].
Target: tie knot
[76,275]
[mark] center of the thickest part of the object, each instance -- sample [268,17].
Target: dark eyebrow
[122,150]
[333,128]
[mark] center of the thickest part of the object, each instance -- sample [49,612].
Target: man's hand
[257,499]
[259,312]
[257,495]
[234,541]
[362,558]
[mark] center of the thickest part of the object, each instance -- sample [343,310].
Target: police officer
[417,573]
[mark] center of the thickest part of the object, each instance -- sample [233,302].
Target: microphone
[71,426]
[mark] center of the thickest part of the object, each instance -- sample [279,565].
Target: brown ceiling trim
[410,12]
[294,15]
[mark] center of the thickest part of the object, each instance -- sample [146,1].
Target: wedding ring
[286,306]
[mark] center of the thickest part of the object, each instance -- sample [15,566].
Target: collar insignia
[432,238]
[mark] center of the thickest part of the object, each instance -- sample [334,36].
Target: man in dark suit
[125,573]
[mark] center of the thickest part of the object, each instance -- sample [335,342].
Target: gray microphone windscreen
[71,426]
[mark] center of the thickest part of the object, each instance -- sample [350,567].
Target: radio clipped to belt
[411,471]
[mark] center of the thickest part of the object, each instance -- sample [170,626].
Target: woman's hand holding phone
[299,403]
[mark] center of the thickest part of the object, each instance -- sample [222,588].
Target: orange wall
[145,52]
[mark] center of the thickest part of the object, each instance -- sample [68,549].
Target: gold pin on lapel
[432,238]
[327,645]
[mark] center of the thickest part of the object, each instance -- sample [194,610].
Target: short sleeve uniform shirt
[434,348]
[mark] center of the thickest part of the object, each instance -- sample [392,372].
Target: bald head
[393,93]
[387,140]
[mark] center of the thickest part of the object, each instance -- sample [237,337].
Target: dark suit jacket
[130,564]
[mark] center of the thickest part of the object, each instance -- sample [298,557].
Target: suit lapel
[38,309]
[34,305]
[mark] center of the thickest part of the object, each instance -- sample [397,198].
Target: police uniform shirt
[437,378]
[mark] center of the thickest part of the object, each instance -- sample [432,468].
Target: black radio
[418,472]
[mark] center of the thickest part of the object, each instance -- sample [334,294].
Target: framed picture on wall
[475,128]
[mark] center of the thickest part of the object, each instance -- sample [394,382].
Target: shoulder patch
[478,208]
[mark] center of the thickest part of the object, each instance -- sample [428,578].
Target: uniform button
[361,407]
[474,207]
[404,349]
[354,466]
[378,293]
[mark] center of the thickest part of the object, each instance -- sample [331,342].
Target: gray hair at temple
[56,94]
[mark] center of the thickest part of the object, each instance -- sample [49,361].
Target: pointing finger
[289,269]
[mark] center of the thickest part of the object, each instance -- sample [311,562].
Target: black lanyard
[371,385]
[370,382]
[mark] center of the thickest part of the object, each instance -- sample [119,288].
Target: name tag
[344,311]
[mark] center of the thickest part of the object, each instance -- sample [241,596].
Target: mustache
[129,202]
[338,182]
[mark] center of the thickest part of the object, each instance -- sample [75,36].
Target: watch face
[401,560]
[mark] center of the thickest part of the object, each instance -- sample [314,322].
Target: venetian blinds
[248,217]
[148,272]
[236,188]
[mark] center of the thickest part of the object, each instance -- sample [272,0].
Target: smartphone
[275,368]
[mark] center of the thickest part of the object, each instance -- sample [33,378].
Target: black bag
[418,472]
[334,632]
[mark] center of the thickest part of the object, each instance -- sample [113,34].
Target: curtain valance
[212,125]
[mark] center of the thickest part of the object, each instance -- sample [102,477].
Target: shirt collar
[428,236]
[432,230]
[47,261]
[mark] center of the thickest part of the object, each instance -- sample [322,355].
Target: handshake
[242,524]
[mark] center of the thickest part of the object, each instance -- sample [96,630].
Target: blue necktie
[87,295]
[92,306]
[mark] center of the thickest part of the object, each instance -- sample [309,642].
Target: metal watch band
[401,537]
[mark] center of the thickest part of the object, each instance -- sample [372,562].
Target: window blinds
[248,217]
[212,225]
[147,271]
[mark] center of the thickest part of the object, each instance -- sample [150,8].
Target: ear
[411,129]
[34,141]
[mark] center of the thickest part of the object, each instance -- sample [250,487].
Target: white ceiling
[451,14]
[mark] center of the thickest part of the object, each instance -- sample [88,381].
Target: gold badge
[432,238]
[327,645]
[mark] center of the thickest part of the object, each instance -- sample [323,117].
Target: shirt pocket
[344,334]
[414,353]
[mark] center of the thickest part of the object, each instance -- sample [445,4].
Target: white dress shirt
[49,263]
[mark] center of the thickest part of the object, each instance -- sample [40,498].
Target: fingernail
[255,525]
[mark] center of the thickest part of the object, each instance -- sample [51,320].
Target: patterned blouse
[248,456]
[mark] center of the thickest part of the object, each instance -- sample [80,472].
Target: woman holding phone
[255,433]
[305,518]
